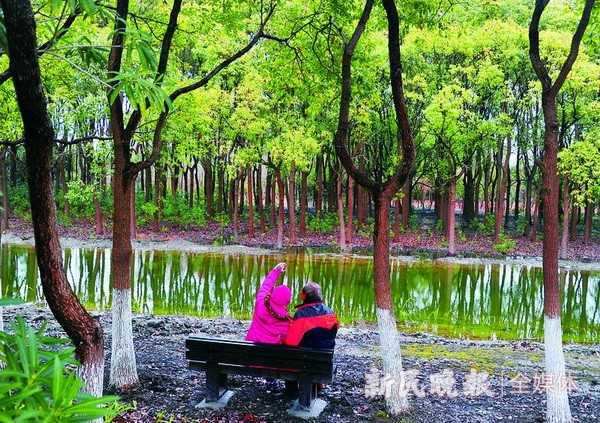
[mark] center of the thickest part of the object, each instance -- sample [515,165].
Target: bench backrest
[249,354]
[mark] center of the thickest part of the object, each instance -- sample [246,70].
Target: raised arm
[269,281]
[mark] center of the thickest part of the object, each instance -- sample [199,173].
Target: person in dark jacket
[314,325]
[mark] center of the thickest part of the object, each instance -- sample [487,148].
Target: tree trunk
[158,197]
[451,219]
[535,218]
[148,192]
[3,191]
[406,202]
[469,195]
[303,203]
[123,369]
[332,191]
[588,219]
[350,224]
[340,211]
[528,206]
[517,183]
[281,214]
[235,208]
[501,194]
[557,398]
[564,240]
[270,198]
[99,216]
[132,221]
[209,186]
[259,199]
[292,204]
[319,186]
[397,225]
[386,321]
[221,208]
[574,222]
[82,329]
[250,181]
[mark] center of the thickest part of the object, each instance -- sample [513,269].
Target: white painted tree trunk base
[123,369]
[558,409]
[93,376]
[397,399]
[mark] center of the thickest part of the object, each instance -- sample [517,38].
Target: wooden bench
[222,357]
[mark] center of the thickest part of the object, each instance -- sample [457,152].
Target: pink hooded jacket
[265,327]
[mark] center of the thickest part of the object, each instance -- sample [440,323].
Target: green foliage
[521,224]
[439,225]
[580,163]
[485,225]
[80,198]
[505,245]
[223,220]
[38,382]
[325,223]
[413,222]
[19,201]
[146,211]
[178,212]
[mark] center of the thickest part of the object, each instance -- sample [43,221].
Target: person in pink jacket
[271,320]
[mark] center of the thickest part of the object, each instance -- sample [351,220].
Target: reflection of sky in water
[450,299]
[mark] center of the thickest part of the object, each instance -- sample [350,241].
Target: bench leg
[217,395]
[212,383]
[306,392]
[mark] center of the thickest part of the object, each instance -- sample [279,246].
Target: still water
[456,300]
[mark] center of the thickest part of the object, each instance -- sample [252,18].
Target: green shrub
[521,224]
[195,216]
[38,382]
[489,224]
[223,220]
[145,213]
[484,226]
[177,211]
[439,225]
[80,198]
[413,222]
[327,222]
[19,201]
[505,245]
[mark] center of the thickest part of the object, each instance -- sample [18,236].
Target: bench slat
[245,354]
[197,343]
[262,372]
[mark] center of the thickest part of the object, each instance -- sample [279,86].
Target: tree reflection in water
[472,301]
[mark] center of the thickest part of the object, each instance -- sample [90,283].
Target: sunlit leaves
[581,164]
[141,92]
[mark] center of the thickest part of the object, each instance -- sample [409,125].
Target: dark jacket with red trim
[314,326]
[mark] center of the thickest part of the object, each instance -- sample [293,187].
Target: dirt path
[168,391]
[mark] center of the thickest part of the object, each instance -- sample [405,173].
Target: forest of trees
[296,118]
[261,131]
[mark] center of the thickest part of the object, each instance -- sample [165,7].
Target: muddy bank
[168,391]
[185,245]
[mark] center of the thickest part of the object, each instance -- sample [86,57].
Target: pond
[453,300]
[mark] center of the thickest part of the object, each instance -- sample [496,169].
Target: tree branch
[534,45]
[59,33]
[341,134]
[73,141]
[574,50]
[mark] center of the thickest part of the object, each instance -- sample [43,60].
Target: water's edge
[10,238]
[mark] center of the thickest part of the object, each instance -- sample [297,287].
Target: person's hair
[312,290]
